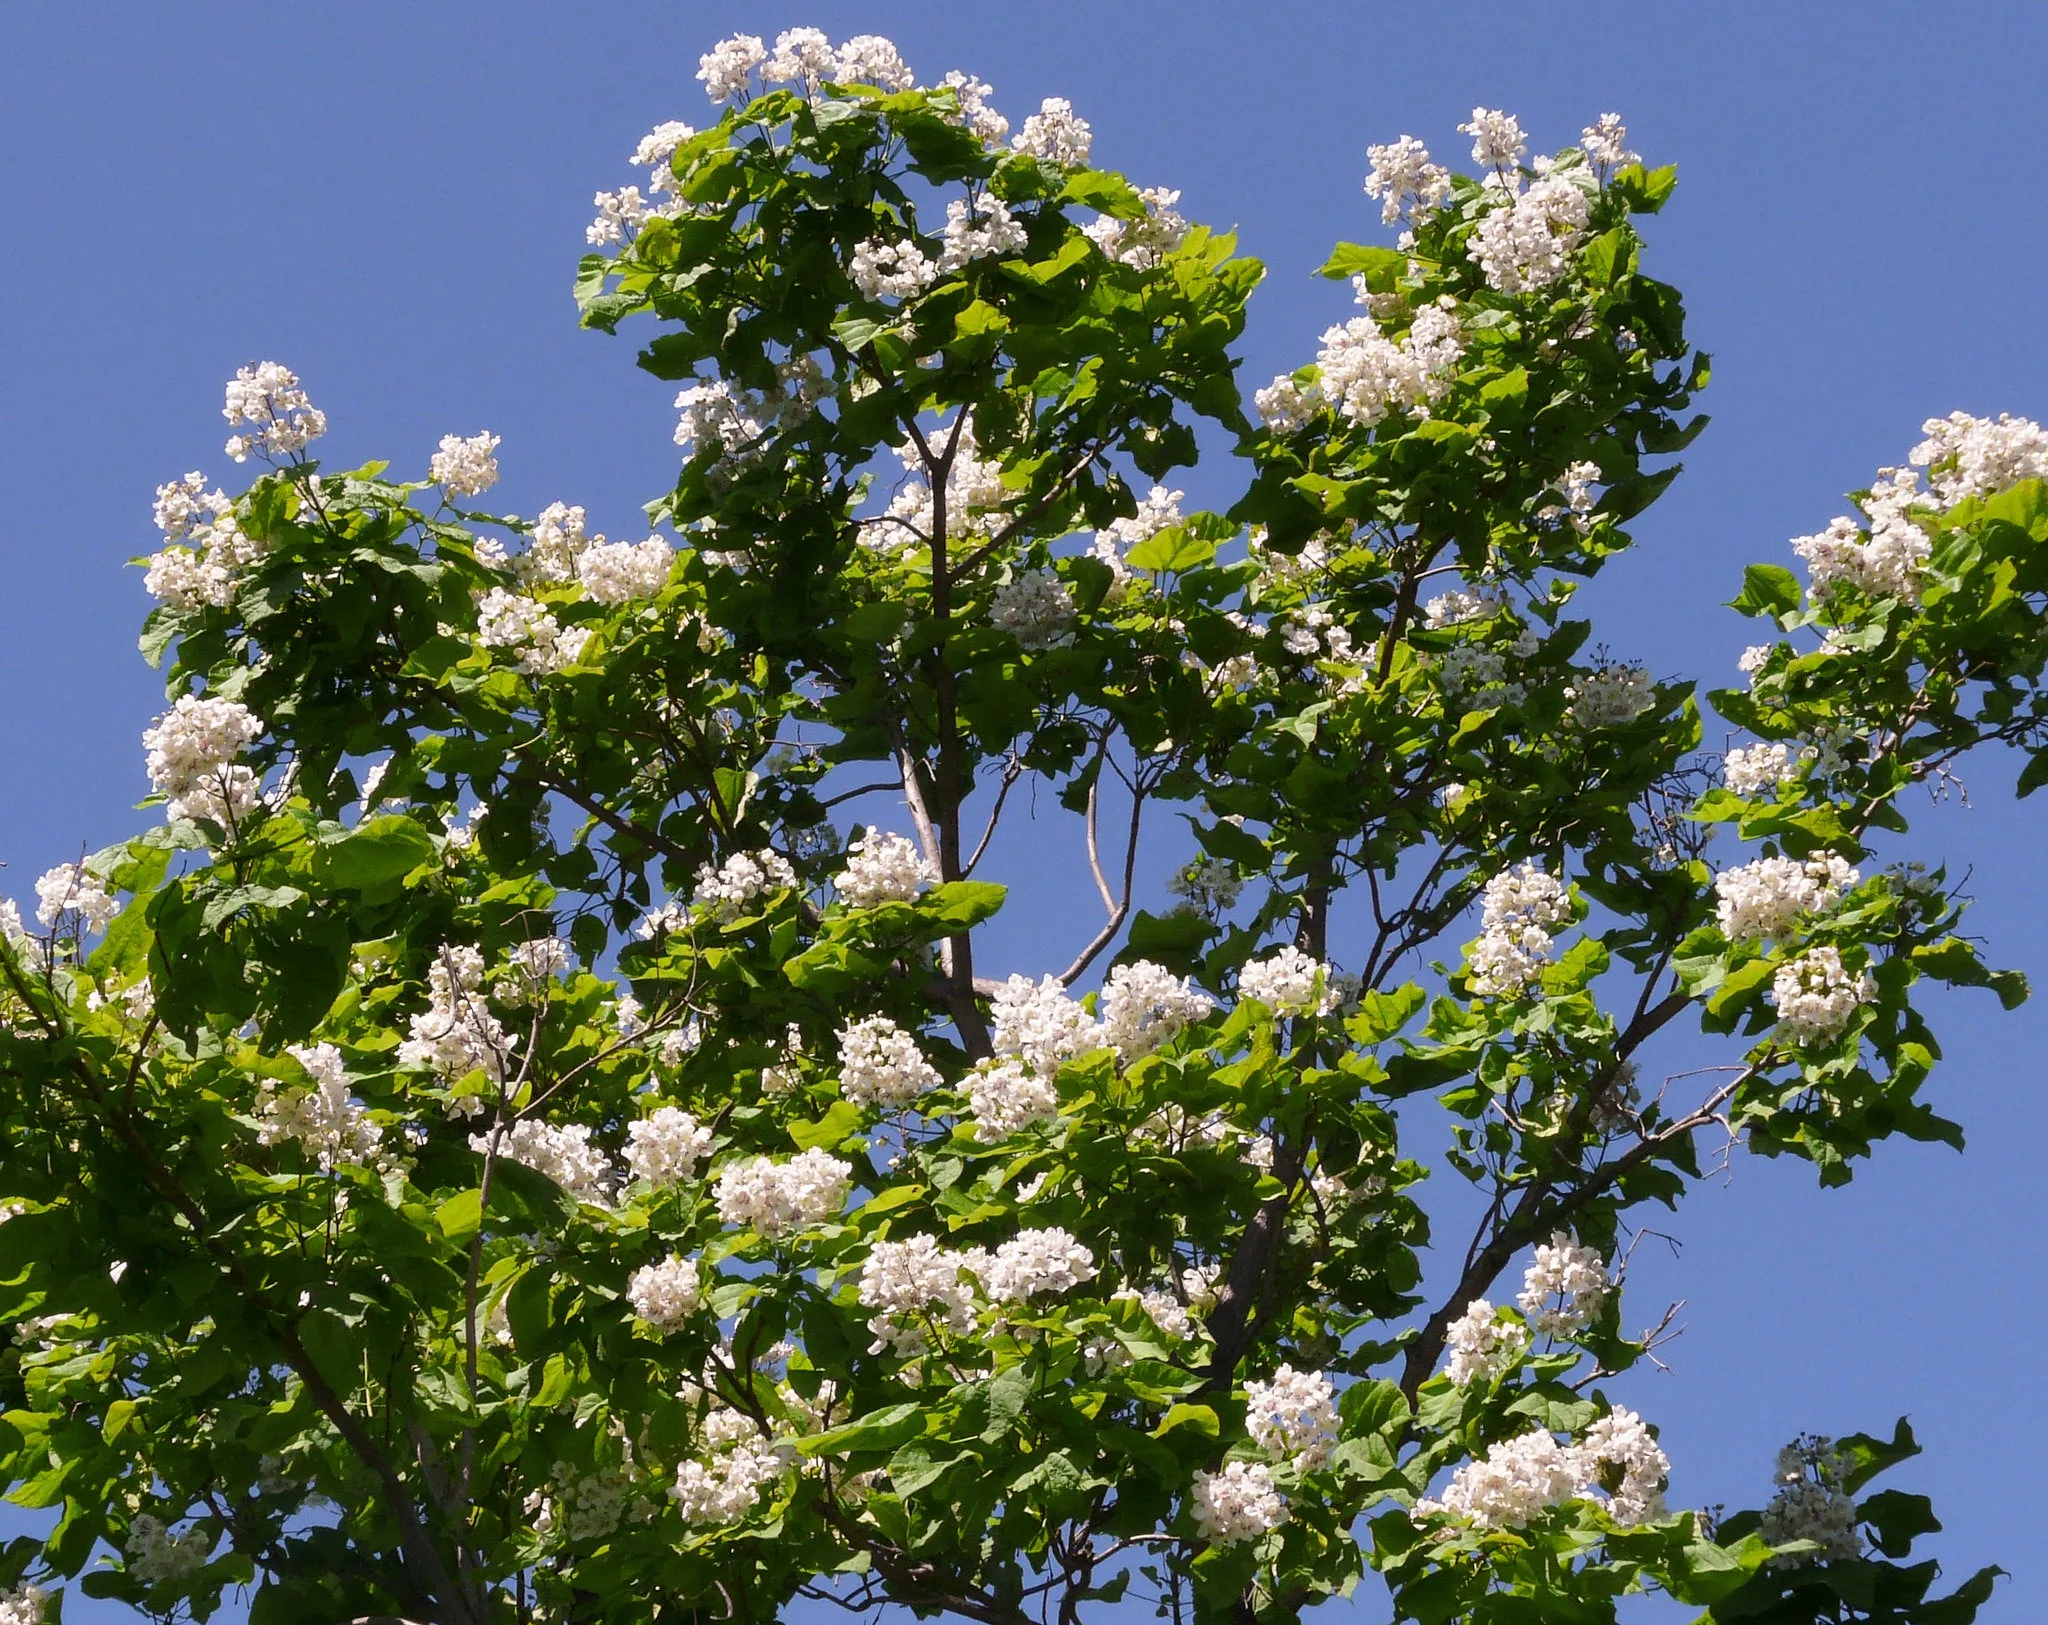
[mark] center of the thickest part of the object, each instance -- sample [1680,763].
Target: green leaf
[840,1121]
[1381,267]
[374,855]
[1201,1418]
[884,1429]
[1768,589]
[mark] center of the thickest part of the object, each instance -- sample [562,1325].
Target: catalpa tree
[531,1132]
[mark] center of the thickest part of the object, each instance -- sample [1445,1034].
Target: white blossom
[903,1284]
[1884,562]
[1144,1005]
[727,1487]
[1767,897]
[885,270]
[801,54]
[1755,658]
[539,644]
[1056,134]
[563,1153]
[1759,770]
[1815,995]
[1497,139]
[1811,1504]
[1147,240]
[1237,1504]
[1157,511]
[665,1294]
[205,550]
[666,1145]
[1293,1417]
[619,215]
[779,1197]
[1605,142]
[1033,1262]
[1462,605]
[269,409]
[1575,485]
[1004,1094]
[1291,983]
[1481,1346]
[1038,1022]
[1564,1288]
[192,748]
[882,869]
[155,1555]
[619,572]
[869,59]
[1036,609]
[465,467]
[982,228]
[713,416]
[1526,241]
[1402,175]
[881,1065]
[728,890]
[1285,405]
[1976,457]
[71,888]
[456,1034]
[559,542]
[23,1605]
[1162,1308]
[531,968]
[1365,374]
[1513,1482]
[1521,907]
[727,67]
[332,1126]
[986,124]
[974,490]
[1621,1439]
[1611,695]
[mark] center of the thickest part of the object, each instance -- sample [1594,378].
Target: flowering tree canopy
[528,1133]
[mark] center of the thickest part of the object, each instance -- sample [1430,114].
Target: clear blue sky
[390,198]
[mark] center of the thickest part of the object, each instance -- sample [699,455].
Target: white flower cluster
[1497,139]
[71,888]
[882,869]
[1039,1023]
[1760,770]
[626,209]
[590,1505]
[886,270]
[455,1034]
[564,1154]
[1482,1347]
[1403,177]
[665,1294]
[1605,142]
[1147,240]
[977,229]
[729,1485]
[1767,897]
[1885,562]
[1291,983]
[1816,994]
[1610,695]
[531,968]
[1623,1439]
[205,550]
[881,1065]
[802,56]
[1056,134]
[1005,1094]
[1144,1005]
[777,1198]
[736,423]
[665,1146]
[974,491]
[1205,886]
[905,1284]
[1575,485]
[540,645]
[266,404]
[1036,609]
[1293,1417]
[619,572]
[1564,1288]
[1365,375]
[465,467]
[1519,1478]
[976,115]
[23,1605]
[325,1120]
[1463,605]
[1810,1504]
[1520,908]
[1237,1504]
[155,1555]
[1527,239]
[557,547]
[1976,457]
[1159,509]
[192,748]
[727,890]
[1034,1262]
[1162,1308]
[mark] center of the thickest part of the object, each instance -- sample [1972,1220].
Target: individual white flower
[881,1065]
[325,1120]
[986,124]
[1036,609]
[192,748]
[1293,1417]
[1605,142]
[270,411]
[1521,907]
[1038,1022]
[658,146]
[563,1153]
[1766,898]
[1144,1005]
[1482,1346]
[1811,1504]
[465,467]
[728,890]
[1526,242]
[882,869]
[1056,134]
[1760,770]
[1575,485]
[1141,243]
[801,55]
[1564,1288]
[726,69]
[1621,1439]
[1402,176]
[1611,695]
[619,572]
[71,888]
[885,270]
[1462,605]
[665,1294]
[665,1146]
[154,1555]
[981,229]
[869,59]
[1034,1262]
[1497,139]
[1815,995]
[1977,457]
[1205,885]
[1513,1482]
[907,1284]
[1237,1504]
[777,1198]
[1291,983]
[1004,1095]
